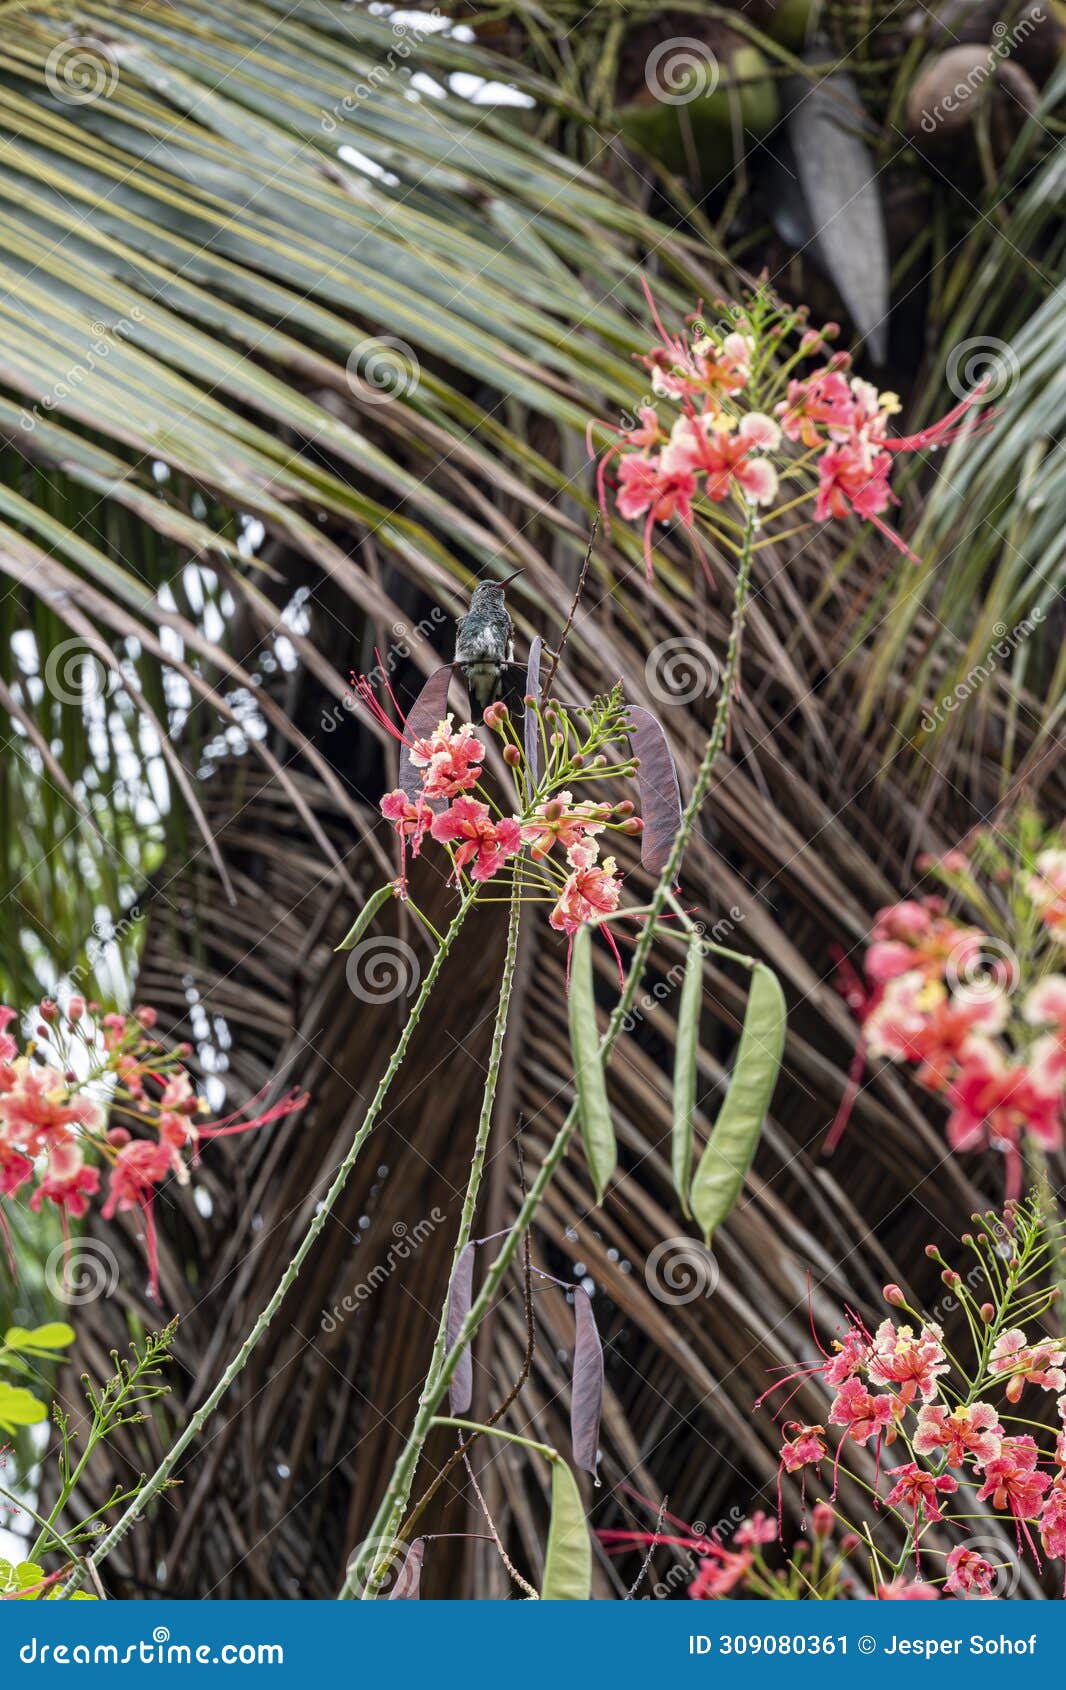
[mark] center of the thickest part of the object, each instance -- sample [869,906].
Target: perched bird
[484,641]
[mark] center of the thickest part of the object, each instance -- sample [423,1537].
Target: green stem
[154,1485]
[484,1127]
[393,1504]
[546,1450]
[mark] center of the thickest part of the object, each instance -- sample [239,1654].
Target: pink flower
[917,1021]
[850,1353]
[821,402]
[410,821]
[1012,1482]
[912,1363]
[851,477]
[477,838]
[558,822]
[588,892]
[997,1103]
[805,1448]
[1025,1363]
[451,760]
[1053,1520]
[863,1415]
[918,1490]
[68,1182]
[1047,888]
[962,1431]
[969,1574]
[759,1529]
[645,488]
[719,1576]
[907,1590]
[139,1167]
[723,452]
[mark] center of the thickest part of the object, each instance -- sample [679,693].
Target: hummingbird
[484,641]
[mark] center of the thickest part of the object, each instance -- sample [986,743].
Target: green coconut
[708,104]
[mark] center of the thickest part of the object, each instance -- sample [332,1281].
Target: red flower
[477,838]
[969,1574]
[1012,1482]
[450,760]
[644,486]
[962,1431]
[912,1363]
[1025,1363]
[68,1183]
[918,1490]
[863,1415]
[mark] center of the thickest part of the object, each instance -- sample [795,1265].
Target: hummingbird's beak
[512,577]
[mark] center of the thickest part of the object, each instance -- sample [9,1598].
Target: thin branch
[578,590]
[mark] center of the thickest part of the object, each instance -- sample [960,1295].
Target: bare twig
[578,590]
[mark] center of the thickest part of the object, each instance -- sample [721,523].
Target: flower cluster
[546,838]
[980,1009]
[815,1567]
[745,424]
[88,1095]
[957,1442]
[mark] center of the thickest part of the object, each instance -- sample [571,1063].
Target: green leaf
[365,917]
[727,1158]
[685,1072]
[568,1557]
[19,1407]
[594,1115]
[39,1339]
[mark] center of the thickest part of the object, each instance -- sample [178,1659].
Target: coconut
[951,88]
[698,101]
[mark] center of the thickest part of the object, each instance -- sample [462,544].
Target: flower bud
[118,1136]
[848,1542]
[494,715]
[988,1313]
[146,1015]
[512,756]
[75,1009]
[822,1519]
[632,825]
[48,1009]
[625,808]
[892,1294]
